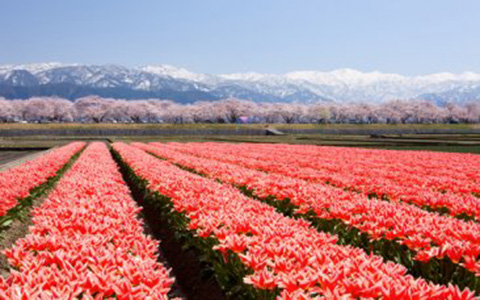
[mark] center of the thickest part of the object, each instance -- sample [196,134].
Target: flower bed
[278,254]
[451,243]
[433,190]
[86,241]
[27,179]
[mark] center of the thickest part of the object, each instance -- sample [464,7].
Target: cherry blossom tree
[95,109]
[63,110]
[39,110]
[6,110]
[473,112]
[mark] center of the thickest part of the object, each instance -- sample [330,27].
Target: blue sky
[224,36]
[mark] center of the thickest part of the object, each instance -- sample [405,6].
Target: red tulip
[86,240]
[292,255]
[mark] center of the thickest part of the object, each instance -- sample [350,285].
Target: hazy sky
[224,36]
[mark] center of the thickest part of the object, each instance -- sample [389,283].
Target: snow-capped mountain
[460,95]
[165,81]
[32,68]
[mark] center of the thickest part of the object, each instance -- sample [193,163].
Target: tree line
[94,109]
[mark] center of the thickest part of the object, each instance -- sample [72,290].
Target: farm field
[131,218]
[465,143]
[433,137]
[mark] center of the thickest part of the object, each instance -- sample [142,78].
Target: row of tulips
[425,169]
[282,255]
[444,172]
[18,182]
[86,241]
[428,235]
[466,205]
[446,168]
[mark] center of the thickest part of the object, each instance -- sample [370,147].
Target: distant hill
[73,91]
[181,85]
[459,95]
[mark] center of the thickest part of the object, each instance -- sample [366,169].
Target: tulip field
[261,221]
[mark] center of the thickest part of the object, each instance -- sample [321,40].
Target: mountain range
[72,81]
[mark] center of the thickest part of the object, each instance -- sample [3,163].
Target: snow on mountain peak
[343,77]
[249,76]
[32,68]
[443,77]
[171,71]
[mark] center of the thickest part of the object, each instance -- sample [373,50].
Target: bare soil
[9,159]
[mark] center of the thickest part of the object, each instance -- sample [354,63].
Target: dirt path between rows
[10,159]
